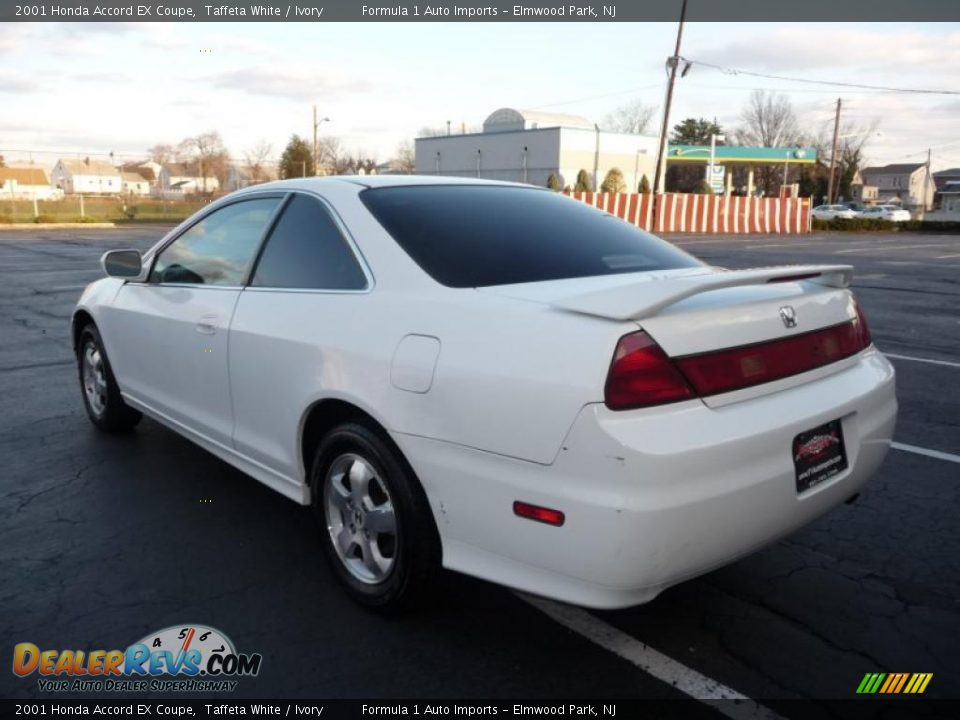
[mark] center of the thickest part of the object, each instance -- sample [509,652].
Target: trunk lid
[701,310]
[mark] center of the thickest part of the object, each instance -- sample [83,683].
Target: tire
[357,479]
[98,387]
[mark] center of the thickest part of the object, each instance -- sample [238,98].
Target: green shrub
[703,188]
[553,182]
[613,182]
[584,183]
[644,187]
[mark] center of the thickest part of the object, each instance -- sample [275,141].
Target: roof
[143,169]
[88,166]
[952,172]
[24,175]
[132,177]
[379,181]
[894,169]
[512,119]
[951,188]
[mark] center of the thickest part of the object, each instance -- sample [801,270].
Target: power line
[599,97]
[834,83]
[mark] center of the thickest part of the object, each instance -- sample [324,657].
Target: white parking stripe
[947,363]
[651,661]
[939,455]
[888,249]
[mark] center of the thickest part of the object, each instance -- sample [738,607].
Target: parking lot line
[652,662]
[938,454]
[889,249]
[947,363]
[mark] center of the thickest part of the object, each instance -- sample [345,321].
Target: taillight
[540,514]
[642,375]
[736,368]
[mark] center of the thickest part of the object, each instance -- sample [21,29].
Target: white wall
[561,151]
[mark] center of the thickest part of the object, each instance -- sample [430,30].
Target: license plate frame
[818,455]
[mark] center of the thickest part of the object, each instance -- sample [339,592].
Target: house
[134,183]
[26,183]
[906,184]
[179,179]
[942,177]
[862,194]
[241,176]
[86,176]
[950,194]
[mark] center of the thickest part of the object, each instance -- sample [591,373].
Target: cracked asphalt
[104,539]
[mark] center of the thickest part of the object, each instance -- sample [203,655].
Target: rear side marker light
[540,514]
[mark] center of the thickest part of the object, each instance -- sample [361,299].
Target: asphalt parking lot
[104,539]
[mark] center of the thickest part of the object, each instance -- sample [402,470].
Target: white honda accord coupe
[492,378]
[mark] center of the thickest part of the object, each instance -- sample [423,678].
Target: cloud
[16,84]
[791,52]
[292,84]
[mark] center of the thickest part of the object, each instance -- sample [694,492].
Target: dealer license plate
[818,455]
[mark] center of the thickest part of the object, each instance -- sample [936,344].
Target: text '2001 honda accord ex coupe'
[492,378]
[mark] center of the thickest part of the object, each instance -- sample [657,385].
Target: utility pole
[833,154]
[315,146]
[926,182]
[658,175]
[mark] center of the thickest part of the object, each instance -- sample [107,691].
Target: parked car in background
[832,212]
[492,378]
[886,212]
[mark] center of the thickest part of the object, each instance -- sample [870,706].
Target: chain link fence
[94,208]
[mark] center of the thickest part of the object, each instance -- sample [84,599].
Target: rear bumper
[653,497]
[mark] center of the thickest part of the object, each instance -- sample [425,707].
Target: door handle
[207,325]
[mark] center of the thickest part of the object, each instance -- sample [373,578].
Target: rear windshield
[477,236]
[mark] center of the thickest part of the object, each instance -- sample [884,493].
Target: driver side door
[168,335]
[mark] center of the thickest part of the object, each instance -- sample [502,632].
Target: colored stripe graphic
[894,683]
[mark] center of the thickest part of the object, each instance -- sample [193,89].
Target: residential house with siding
[26,183]
[87,176]
[179,179]
[907,184]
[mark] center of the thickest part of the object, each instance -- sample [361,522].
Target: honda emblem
[789,316]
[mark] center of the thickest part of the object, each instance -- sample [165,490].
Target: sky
[75,89]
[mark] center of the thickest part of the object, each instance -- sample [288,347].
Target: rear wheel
[377,529]
[101,395]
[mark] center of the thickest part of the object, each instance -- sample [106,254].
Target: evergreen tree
[297,159]
[613,182]
[644,186]
[553,182]
[584,183]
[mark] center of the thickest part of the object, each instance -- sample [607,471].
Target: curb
[56,226]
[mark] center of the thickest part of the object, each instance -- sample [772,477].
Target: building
[741,160]
[86,176]
[907,184]
[26,183]
[241,176]
[942,177]
[529,147]
[134,183]
[179,179]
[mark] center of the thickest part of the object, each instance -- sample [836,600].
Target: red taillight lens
[736,368]
[642,375]
[540,514]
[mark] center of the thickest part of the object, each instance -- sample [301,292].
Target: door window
[219,249]
[306,250]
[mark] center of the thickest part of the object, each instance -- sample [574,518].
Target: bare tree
[632,117]
[162,153]
[405,161]
[768,120]
[331,156]
[256,158]
[207,154]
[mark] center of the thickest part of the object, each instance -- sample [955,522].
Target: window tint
[306,250]
[476,236]
[218,249]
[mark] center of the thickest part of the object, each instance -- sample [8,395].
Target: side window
[306,250]
[217,250]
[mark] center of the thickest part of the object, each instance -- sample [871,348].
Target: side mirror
[122,263]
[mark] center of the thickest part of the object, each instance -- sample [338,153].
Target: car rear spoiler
[645,299]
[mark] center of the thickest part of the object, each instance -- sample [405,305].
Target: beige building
[26,183]
[906,184]
[527,147]
[87,176]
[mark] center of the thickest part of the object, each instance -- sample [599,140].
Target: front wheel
[377,529]
[101,395]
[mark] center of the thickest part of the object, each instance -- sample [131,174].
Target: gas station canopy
[729,154]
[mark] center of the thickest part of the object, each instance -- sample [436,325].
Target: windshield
[480,235]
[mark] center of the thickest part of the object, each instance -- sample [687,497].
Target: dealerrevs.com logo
[181,658]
